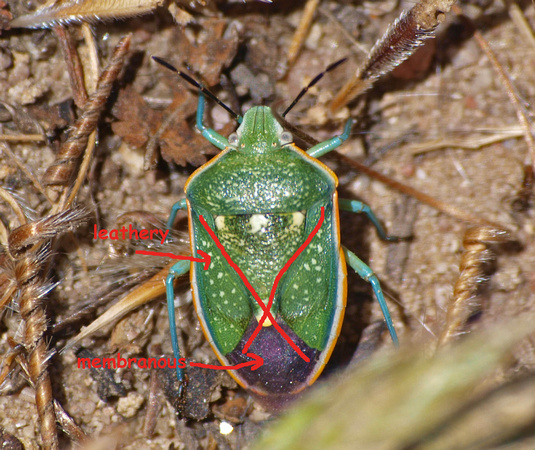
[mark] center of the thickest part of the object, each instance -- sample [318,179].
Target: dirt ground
[448,93]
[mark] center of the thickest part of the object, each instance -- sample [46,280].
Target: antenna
[318,77]
[199,86]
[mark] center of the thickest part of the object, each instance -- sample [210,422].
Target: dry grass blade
[68,425]
[408,400]
[29,246]
[67,11]
[139,296]
[470,143]
[22,137]
[63,169]
[399,42]
[302,30]
[476,254]
[34,233]
[518,17]
[74,65]
[10,199]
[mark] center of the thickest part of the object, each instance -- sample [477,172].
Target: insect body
[267,214]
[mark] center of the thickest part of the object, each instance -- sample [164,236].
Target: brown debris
[168,130]
[5,17]
[53,118]
[234,409]
[136,121]
[9,442]
[211,53]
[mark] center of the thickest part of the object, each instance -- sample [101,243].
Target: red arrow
[278,278]
[267,314]
[205,256]
[255,364]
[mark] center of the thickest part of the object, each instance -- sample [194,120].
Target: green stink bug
[266,212]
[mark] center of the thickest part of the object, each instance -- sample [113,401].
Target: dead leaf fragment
[139,126]
[136,119]
[212,52]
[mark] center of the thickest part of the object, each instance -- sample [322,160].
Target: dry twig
[63,169]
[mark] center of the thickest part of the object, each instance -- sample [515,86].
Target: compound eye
[286,138]
[233,140]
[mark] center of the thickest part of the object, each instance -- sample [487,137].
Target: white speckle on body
[257,222]
[220,222]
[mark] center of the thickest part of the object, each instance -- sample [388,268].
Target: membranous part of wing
[221,294]
[308,294]
[261,244]
[284,372]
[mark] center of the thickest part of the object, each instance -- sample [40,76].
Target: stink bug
[266,212]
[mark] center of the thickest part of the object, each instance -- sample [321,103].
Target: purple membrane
[283,374]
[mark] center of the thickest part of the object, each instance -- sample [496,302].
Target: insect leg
[359,207]
[181,204]
[367,274]
[330,144]
[210,135]
[179,269]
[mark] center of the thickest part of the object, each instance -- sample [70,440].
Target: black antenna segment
[318,77]
[199,86]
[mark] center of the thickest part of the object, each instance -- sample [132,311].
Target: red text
[121,363]
[129,233]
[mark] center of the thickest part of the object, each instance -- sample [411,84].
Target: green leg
[210,135]
[180,205]
[179,269]
[367,274]
[359,207]
[329,145]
